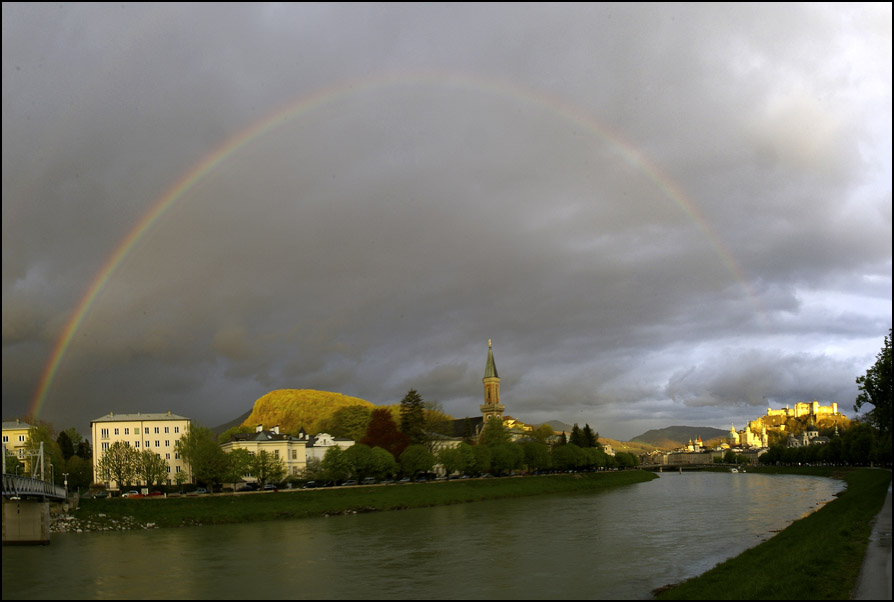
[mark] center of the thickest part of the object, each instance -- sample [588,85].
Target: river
[617,544]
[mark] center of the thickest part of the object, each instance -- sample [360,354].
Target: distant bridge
[16,487]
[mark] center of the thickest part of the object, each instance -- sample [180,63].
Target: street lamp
[65,476]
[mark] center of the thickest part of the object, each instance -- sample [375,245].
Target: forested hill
[672,437]
[292,409]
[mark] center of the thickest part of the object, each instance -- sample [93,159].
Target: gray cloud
[659,214]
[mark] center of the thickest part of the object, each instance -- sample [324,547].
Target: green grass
[242,508]
[816,558]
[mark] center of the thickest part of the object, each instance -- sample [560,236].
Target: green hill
[292,409]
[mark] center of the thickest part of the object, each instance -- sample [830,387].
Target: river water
[618,544]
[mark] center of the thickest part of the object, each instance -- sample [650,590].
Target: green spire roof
[490,371]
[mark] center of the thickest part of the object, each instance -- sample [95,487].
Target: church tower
[492,405]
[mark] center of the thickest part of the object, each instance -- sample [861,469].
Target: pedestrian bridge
[17,487]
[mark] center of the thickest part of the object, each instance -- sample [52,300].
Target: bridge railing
[17,486]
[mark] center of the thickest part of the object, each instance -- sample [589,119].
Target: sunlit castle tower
[491,380]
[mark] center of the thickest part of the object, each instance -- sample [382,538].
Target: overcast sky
[661,214]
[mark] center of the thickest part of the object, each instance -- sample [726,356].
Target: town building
[294,451]
[15,440]
[157,432]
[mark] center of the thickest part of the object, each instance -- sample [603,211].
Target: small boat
[734,470]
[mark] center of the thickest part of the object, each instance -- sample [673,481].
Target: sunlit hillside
[292,409]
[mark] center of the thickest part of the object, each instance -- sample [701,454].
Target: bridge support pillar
[26,522]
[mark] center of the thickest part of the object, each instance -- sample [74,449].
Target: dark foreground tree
[875,389]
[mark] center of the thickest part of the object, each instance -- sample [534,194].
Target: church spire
[490,370]
[491,380]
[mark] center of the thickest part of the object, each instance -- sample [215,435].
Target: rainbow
[309,103]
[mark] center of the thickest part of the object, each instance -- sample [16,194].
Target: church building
[491,380]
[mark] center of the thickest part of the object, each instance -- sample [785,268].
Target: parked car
[368,481]
[132,493]
[201,490]
[270,487]
[310,485]
[349,482]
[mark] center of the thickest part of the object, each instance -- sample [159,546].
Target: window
[127,430]
[167,456]
[168,468]
[146,430]
[104,433]
[22,437]
[176,429]
[156,430]
[5,439]
[157,443]
[294,454]
[105,446]
[136,444]
[178,469]
[167,430]
[167,443]
[116,432]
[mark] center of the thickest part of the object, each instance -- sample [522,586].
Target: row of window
[105,445]
[104,433]
[21,438]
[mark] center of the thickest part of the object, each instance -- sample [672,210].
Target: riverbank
[816,558]
[151,513]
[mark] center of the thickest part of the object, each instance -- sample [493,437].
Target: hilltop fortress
[806,409]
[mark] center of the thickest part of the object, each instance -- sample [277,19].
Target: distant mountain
[221,428]
[677,436]
[559,426]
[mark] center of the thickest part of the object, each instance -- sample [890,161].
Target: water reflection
[618,544]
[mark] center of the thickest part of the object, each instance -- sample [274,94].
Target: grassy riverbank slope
[289,504]
[815,558]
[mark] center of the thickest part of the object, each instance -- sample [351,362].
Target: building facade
[15,440]
[158,433]
[294,451]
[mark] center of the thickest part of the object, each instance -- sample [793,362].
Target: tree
[268,468]
[335,464]
[384,464]
[350,422]
[151,468]
[361,460]
[505,457]
[382,432]
[238,465]
[536,455]
[452,459]
[412,417]
[590,438]
[577,437]
[199,449]
[875,387]
[54,462]
[494,433]
[80,473]
[65,445]
[118,464]
[415,459]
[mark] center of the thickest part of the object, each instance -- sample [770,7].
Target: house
[157,432]
[294,451]
[15,440]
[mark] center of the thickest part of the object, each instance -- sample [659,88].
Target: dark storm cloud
[668,214]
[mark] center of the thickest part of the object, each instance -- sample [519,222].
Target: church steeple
[491,380]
